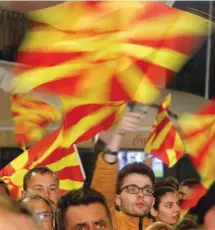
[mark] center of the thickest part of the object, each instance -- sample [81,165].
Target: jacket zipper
[141,223]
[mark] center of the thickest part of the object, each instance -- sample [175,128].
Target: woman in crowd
[42,209]
[166,208]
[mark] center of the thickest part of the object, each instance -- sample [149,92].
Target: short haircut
[190,183]
[32,196]
[159,193]
[159,226]
[168,182]
[5,186]
[41,170]
[77,197]
[138,168]
[171,182]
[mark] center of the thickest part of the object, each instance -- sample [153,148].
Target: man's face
[136,204]
[42,211]
[45,185]
[184,192]
[90,217]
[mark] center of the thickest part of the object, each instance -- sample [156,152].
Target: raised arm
[105,174]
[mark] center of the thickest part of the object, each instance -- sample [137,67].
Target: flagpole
[208,59]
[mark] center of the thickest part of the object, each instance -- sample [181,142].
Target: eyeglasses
[134,189]
[45,216]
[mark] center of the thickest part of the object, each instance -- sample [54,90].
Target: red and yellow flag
[47,152]
[107,51]
[81,122]
[164,141]
[30,116]
[103,52]
[199,136]
[56,150]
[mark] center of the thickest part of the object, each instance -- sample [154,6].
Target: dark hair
[168,182]
[171,182]
[77,197]
[5,186]
[41,170]
[138,168]
[159,193]
[190,183]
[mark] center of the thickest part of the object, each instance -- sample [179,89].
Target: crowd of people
[116,200]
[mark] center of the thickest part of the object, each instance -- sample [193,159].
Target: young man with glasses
[132,188]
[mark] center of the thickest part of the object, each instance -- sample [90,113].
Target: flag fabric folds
[164,141]
[51,150]
[30,116]
[199,135]
[48,152]
[140,45]
[55,150]
[94,56]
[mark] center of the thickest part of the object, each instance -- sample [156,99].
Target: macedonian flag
[56,151]
[107,50]
[30,116]
[164,141]
[199,136]
[48,152]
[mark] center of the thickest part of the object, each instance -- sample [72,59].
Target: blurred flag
[164,142]
[79,121]
[102,53]
[56,151]
[30,116]
[199,135]
[107,51]
[82,122]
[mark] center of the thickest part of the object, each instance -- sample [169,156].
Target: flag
[199,135]
[102,53]
[139,47]
[56,151]
[107,51]
[164,141]
[82,122]
[47,152]
[30,116]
